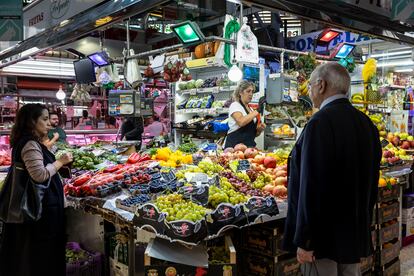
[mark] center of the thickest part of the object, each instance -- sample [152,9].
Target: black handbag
[20,197]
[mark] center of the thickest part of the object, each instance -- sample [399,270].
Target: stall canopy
[77,27]
[391,20]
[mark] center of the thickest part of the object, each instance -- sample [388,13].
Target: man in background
[54,122]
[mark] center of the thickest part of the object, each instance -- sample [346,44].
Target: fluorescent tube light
[391,54]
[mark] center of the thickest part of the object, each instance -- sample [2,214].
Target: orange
[382,182]
[393,181]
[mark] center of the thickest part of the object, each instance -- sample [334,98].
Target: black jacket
[333,178]
[132,129]
[37,248]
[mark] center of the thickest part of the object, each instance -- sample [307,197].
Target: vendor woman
[244,122]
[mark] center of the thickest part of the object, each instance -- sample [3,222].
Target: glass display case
[74,137]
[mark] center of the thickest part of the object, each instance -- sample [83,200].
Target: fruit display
[135,200]
[82,160]
[357,98]
[226,193]
[222,81]
[305,65]
[241,185]
[387,182]
[283,131]
[299,112]
[5,158]
[173,159]
[379,121]
[174,71]
[189,147]
[177,208]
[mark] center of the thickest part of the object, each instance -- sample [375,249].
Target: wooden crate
[150,268]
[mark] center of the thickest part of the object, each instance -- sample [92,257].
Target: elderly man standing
[333,178]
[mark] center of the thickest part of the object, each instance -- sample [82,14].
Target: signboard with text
[305,42]
[49,13]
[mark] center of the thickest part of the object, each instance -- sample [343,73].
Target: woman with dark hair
[38,247]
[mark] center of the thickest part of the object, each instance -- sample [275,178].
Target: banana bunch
[357,98]
[303,88]
[379,121]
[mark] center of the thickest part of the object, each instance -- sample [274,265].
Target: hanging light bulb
[235,74]
[60,94]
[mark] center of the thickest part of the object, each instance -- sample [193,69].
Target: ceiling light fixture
[235,74]
[60,94]
[188,33]
[389,54]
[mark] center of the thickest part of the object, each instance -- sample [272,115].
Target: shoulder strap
[244,107]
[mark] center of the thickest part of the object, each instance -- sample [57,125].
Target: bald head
[327,80]
[335,75]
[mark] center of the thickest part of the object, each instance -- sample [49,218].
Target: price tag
[98,152]
[201,90]
[193,92]
[244,165]
[216,90]
[384,143]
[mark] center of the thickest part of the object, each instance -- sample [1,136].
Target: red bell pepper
[112,169]
[133,158]
[145,157]
[82,179]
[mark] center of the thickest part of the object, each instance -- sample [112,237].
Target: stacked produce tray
[222,261]
[262,254]
[387,232]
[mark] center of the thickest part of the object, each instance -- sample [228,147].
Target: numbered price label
[257,206]
[185,230]
[148,214]
[198,194]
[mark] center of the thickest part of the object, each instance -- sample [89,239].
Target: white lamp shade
[235,74]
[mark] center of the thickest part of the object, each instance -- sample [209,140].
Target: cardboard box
[259,265]
[408,228]
[407,214]
[159,267]
[263,240]
[117,269]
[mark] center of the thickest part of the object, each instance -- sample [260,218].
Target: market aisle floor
[407,260]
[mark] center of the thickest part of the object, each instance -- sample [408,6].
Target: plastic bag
[247,47]
[132,70]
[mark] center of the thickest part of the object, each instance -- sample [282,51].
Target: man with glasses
[333,178]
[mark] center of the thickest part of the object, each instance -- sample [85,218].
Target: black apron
[37,248]
[244,135]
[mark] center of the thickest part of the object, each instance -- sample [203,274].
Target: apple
[268,188]
[390,136]
[239,154]
[405,145]
[387,154]
[281,180]
[281,173]
[395,141]
[280,191]
[250,152]
[259,159]
[229,150]
[412,144]
[410,138]
[269,162]
[240,147]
